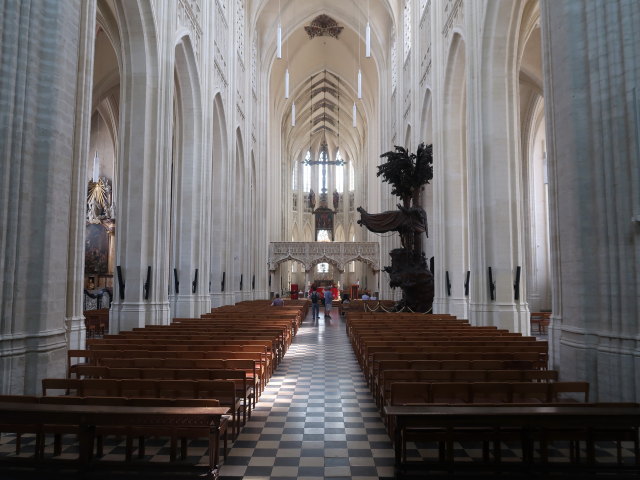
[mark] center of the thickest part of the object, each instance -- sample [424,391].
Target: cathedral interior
[168,157]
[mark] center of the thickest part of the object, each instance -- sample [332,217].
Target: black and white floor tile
[316,419]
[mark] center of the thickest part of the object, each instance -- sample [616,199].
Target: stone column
[77,219]
[144,176]
[592,75]
[449,227]
[494,169]
[39,90]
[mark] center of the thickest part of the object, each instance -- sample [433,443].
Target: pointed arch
[219,187]
[238,246]
[143,234]
[186,173]
[253,203]
[426,129]
[308,233]
[453,254]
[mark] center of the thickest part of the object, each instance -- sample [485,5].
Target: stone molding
[339,254]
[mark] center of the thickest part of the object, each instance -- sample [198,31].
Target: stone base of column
[76,332]
[608,363]
[440,305]
[26,359]
[128,315]
[217,299]
[451,305]
[513,317]
[189,305]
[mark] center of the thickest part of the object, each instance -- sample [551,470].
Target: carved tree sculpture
[407,173]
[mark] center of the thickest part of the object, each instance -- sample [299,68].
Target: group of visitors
[322,295]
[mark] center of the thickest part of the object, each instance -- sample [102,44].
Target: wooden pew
[222,390]
[541,321]
[87,418]
[525,424]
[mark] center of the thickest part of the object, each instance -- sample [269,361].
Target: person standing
[328,298]
[315,303]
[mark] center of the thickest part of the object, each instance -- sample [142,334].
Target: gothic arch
[143,235]
[217,218]
[308,233]
[239,238]
[496,190]
[535,218]
[450,228]
[361,259]
[325,259]
[426,129]
[352,234]
[187,174]
[255,223]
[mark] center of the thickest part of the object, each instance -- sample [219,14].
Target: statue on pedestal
[407,173]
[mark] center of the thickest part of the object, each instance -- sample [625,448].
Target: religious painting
[96,249]
[324,219]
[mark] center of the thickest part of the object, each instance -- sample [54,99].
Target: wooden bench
[222,390]
[387,377]
[243,388]
[524,424]
[86,419]
[541,321]
[96,322]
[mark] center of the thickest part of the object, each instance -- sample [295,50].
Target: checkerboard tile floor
[316,419]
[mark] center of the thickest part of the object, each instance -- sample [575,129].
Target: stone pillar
[592,76]
[77,219]
[144,176]
[449,227]
[494,173]
[39,89]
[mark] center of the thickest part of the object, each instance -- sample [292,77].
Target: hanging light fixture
[96,168]
[359,70]
[293,114]
[95,172]
[354,115]
[279,35]
[367,35]
[286,83]
[279,54]
[367,48]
